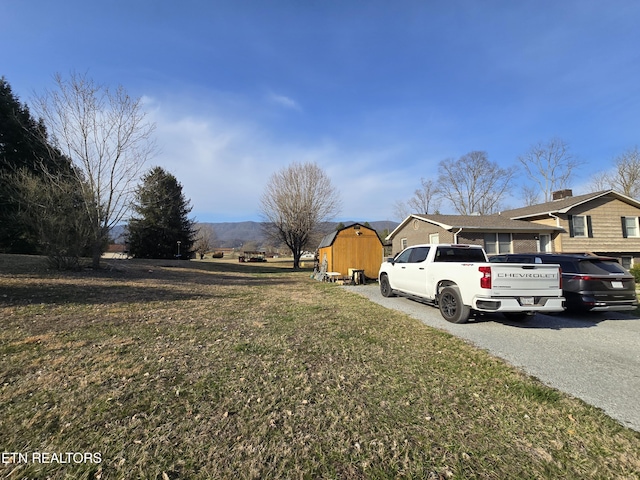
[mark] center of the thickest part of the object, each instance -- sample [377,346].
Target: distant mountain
[235,234]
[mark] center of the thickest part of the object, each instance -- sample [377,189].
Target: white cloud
[224,165]
[283,101]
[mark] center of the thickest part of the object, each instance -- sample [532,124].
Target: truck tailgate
[525,279]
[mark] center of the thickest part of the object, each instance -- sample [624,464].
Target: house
[354,247]
[603,223]
[496,233]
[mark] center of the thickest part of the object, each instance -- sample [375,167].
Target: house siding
[606,226]
[605,210]
[520,242]
[556,238]
[525,242]
[471,238]
[417,232]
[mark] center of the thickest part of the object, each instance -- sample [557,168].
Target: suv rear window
[601,267]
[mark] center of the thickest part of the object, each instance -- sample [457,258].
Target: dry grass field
[176,369]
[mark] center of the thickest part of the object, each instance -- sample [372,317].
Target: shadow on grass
[52,294]
[249,269]
[141,281]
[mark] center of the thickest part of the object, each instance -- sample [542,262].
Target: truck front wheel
[451,307]
[385,286]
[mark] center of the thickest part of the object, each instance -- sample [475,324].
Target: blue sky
[375,92]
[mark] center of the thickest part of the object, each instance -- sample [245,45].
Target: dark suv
[589,283]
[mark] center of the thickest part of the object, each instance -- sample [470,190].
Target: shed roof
[329,238]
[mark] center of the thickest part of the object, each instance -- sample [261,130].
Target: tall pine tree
[161,227]
[24,150]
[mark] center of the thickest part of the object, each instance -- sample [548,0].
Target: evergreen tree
[24,150]
[161,227]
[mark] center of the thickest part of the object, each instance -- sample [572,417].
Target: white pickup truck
[458,279]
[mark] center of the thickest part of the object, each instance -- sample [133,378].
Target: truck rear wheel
[451,307]
[385,287]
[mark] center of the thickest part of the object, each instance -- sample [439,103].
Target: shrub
[635,271]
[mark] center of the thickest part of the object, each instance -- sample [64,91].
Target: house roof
[329,238]
[564,205]
[488,223]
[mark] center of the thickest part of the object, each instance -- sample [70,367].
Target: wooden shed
[354,247]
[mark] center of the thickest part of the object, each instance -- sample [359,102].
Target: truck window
[524,259]
[458,254]
[419,254]
[404,256]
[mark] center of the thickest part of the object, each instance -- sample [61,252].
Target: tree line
[472,184]
[67,178]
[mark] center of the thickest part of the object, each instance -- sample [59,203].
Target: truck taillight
[560,276]
[485,280]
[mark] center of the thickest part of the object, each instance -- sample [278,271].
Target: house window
[545,242]
[580,226]
[630,227]
[403,243]
[626,262]
[434,238]
[495,243]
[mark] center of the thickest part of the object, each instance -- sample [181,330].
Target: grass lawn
[175,369]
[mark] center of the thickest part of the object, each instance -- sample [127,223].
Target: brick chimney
[562,194]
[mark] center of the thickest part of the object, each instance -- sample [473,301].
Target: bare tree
[530,195]
[49,206]
[473,184]
[425,199]
[400,210]
[600,181]
[105,134]
[625,178]
[296,200]
[550,165]
[205,239]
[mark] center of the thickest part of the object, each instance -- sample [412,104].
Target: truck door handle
[421,268]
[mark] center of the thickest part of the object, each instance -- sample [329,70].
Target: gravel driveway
[595,357]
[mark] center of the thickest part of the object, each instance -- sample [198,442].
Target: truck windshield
[459,254]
